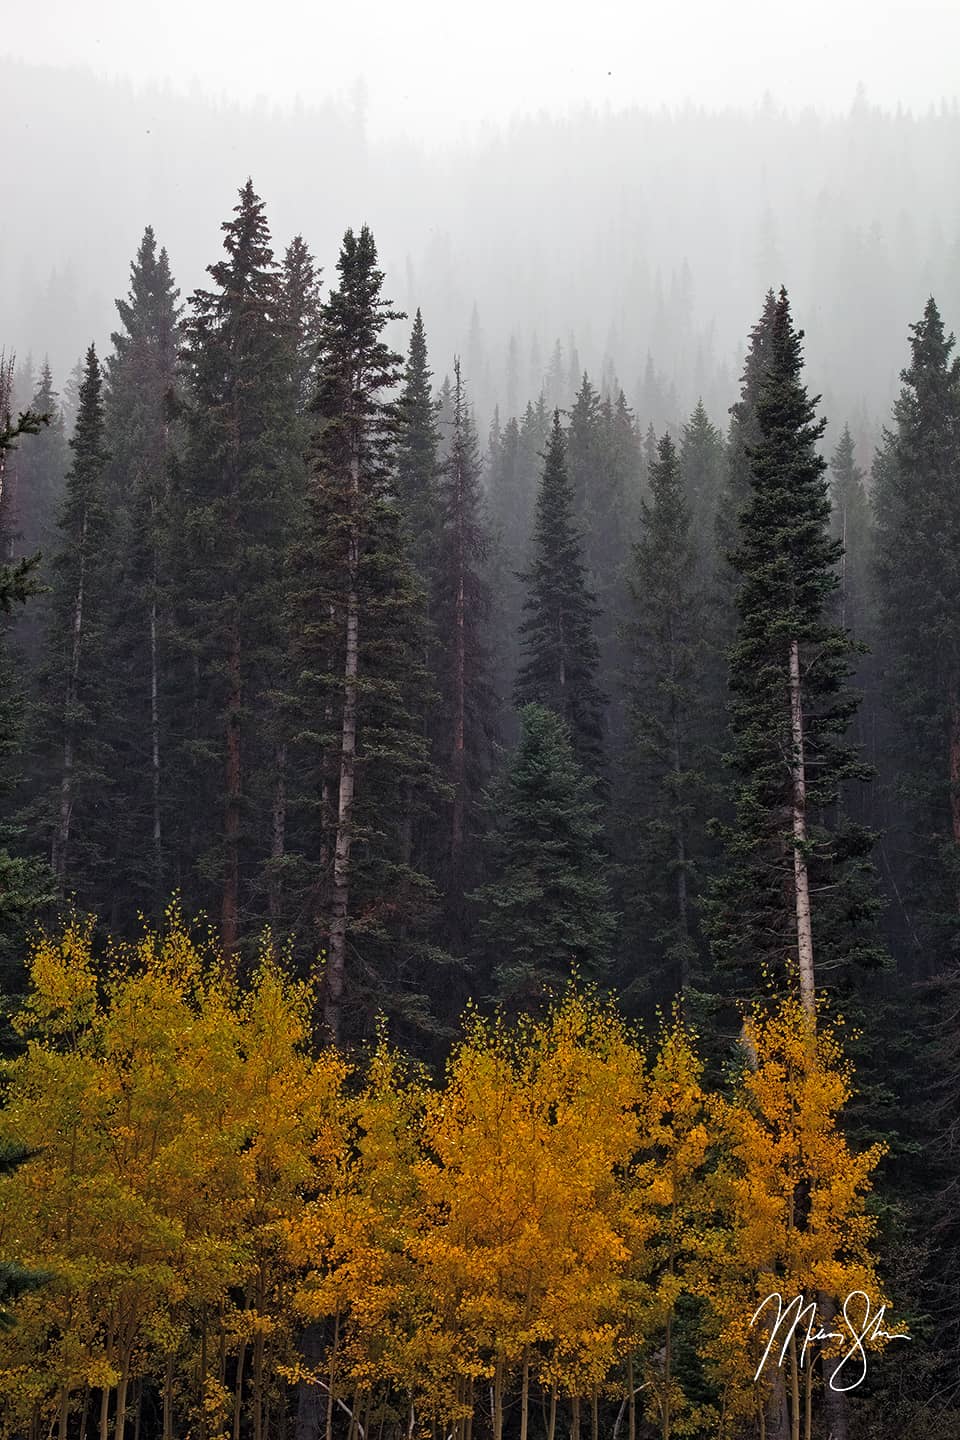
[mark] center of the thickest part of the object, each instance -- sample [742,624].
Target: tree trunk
[340,900]
[62,837]
[800,876]
[834,1401]
[309,1416]
[168,1399]
[238,1389]
[155,744]
[525,1397]
[229,915]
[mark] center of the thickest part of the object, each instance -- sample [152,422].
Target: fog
[627,195]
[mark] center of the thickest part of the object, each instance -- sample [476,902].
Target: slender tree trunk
[64,1417]
[85,1413]
[168,1399]
[632,1401]
[155,748]
[278,836]
[238,1389]
[801,878]
[834,1401]
[336,960]
[552,1422]
[120,1423]
[680,843]
[525,1397]
[62,837]
[230,911]
[105,1412]
[575,1418]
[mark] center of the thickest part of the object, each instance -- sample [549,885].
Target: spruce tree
[141,376]
[233,515]
[41,466]
[465,725]
[24,881]
[662,805]
[795,884]
[701,466]
[917,498]
[560,656]
[70,729]
[417,457]
[546,908]
[356,618]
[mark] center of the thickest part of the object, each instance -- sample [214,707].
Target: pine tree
[560,653]
[140,382]
[233,515]
[795,883]
[42,465]
[917,497]
[466,719]
[71,725]
[546,907]
[300,305]
[357,617]
[663,815]
[417,458]
[24,882]
[701,466]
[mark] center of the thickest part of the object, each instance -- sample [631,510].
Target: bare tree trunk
[230,910]
[801,878]
[62,837]
[340,900]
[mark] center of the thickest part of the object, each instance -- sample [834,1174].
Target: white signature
[790,1317]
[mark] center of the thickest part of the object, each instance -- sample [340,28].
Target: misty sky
[434,69]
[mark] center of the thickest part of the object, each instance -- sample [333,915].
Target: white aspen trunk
[800,876]
[62,837]
[340,899]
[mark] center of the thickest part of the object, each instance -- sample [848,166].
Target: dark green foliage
[233,512]
[661,808]
[560,656]
[75,783]
[139,687]
[917,497]
[465,723]
[24,882]
[349,561]
[546,907]
[787,564]
[417,456]
[702,457]
[41,466]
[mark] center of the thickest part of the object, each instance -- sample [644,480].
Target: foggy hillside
[641,242]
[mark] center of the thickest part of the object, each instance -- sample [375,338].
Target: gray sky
[433,68]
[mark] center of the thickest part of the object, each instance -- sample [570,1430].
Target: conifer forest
[480,812]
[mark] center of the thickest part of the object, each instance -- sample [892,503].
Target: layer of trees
[440,725]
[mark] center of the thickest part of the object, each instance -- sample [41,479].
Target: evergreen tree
[42,465]
[560,653]
[234,513]
[663,814]
[71,728]
[417,459]
[702,466]
[917,497]
[546,907]
[300,305]
[466,717]
[357,616]
[140,382]
[795,883]
[24,882]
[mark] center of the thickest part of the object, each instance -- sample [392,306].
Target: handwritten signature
[791,1317]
